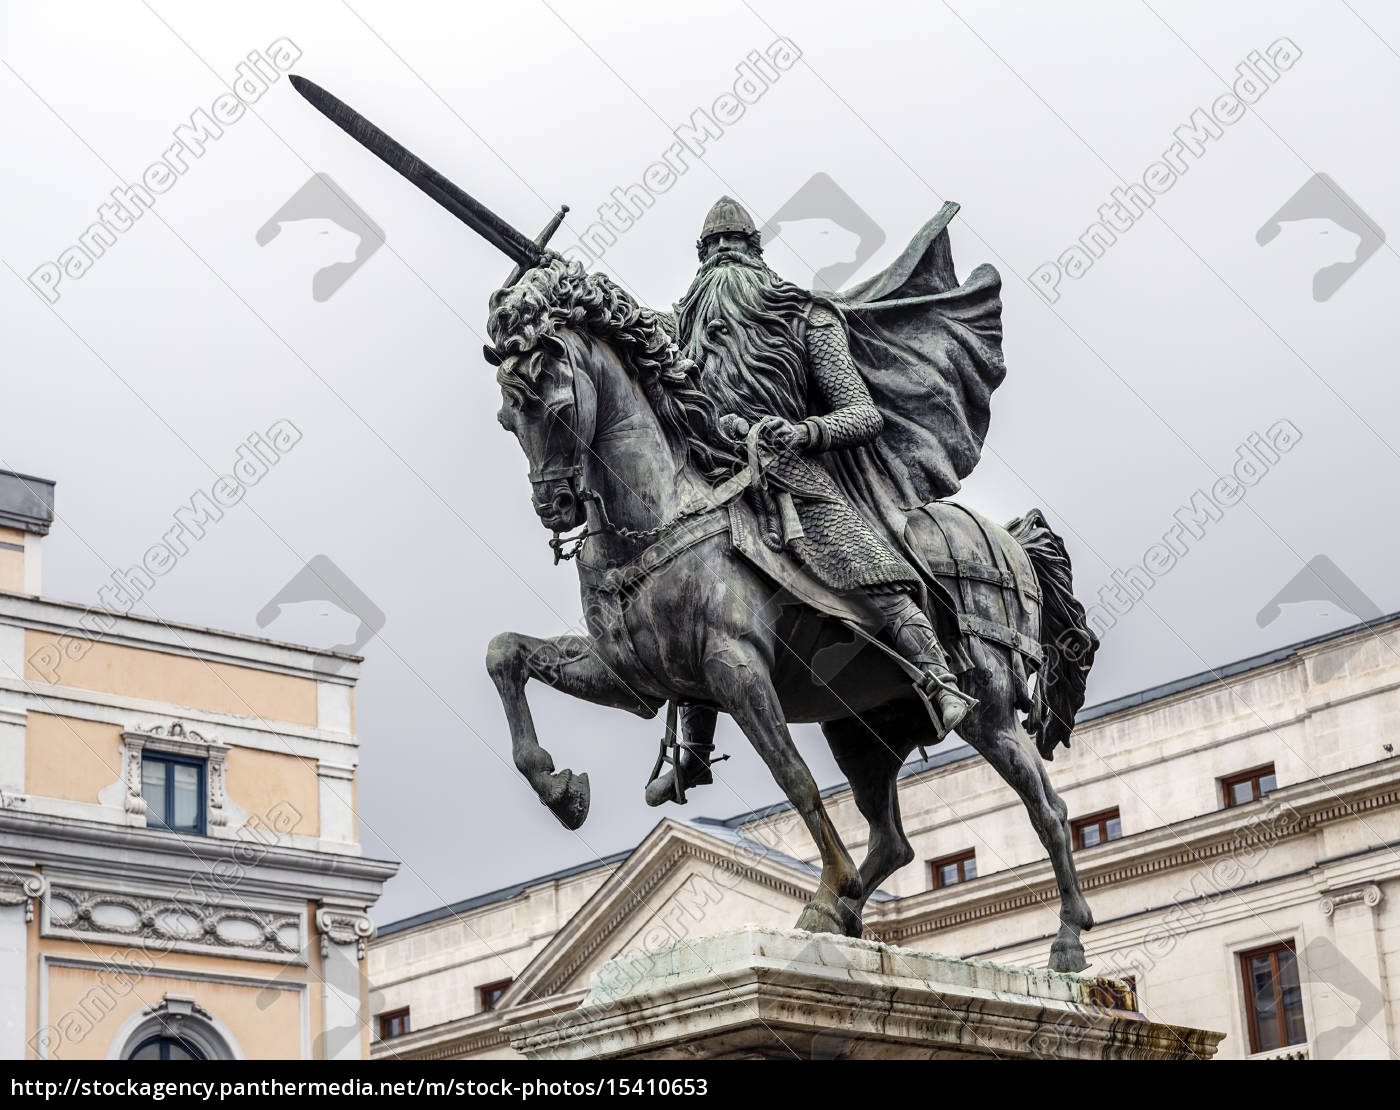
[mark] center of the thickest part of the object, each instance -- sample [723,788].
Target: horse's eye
[503,419]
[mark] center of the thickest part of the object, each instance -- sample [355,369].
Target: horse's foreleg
[572,665]
[742,686]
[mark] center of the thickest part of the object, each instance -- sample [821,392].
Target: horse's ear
[488,352]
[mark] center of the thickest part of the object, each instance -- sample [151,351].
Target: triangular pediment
[682,881]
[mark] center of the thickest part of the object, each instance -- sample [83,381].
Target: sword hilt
[541,240]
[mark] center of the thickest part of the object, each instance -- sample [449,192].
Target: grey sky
[1124,398]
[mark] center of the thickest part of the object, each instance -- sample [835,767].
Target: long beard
[738,323]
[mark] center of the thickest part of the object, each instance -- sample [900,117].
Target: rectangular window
[393,1024]
[1273,998]
[1249,786]
[173,789]
[1098,828]
[491,993]
[951,870]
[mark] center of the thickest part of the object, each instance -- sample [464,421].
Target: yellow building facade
[180,872]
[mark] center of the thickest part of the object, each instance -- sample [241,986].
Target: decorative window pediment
[176,739]
[176,1028]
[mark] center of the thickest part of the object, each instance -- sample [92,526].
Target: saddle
[978,590]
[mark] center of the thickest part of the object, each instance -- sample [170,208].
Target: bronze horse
[675,613]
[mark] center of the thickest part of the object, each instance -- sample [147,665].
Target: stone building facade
[1237,834]
[180,874]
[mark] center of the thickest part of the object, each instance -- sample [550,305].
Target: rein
[568,546]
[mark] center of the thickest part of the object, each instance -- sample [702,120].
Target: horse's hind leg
[741,685]
[870,750]
[572,665]
[999,738]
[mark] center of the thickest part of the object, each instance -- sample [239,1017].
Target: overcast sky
[1136,370]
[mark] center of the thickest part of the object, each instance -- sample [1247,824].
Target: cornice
[63,618]
[1308,805]
[141,855]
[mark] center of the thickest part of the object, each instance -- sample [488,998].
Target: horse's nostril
[563,501]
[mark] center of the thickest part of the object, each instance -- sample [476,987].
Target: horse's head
[550,410]
[560,335]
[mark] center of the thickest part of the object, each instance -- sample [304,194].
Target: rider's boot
[914,638]
[696,754]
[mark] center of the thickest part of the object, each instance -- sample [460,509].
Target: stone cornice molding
[141,856]
[342,771]
[18,697]
[1297,810]
[62,618]
[452,1040]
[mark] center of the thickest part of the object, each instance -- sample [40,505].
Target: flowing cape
[929,350]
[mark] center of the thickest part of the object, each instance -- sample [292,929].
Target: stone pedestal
[756,993]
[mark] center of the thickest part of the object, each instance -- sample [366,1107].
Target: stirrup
[670,753]
[929,689]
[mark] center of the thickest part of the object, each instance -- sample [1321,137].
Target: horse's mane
[524,324]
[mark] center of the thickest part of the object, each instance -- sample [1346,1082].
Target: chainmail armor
[853,418]
[838,547]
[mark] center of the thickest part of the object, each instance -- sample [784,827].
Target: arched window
[165,1048]
[175,1029]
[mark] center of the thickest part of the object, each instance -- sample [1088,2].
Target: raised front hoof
[567,798]
[818,918]
[1067,953]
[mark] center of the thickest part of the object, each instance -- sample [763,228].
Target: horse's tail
[1065,637]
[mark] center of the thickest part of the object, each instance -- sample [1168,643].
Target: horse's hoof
[1067,954]
[850,917]
[820,919]
[568,798]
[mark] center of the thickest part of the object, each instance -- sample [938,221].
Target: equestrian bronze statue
[754,490]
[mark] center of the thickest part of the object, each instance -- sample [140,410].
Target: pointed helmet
[728,216]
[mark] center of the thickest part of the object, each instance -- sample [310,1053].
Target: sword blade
[501,235]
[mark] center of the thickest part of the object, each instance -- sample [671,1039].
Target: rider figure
[770,352]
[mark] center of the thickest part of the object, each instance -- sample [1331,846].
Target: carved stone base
[756,993]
